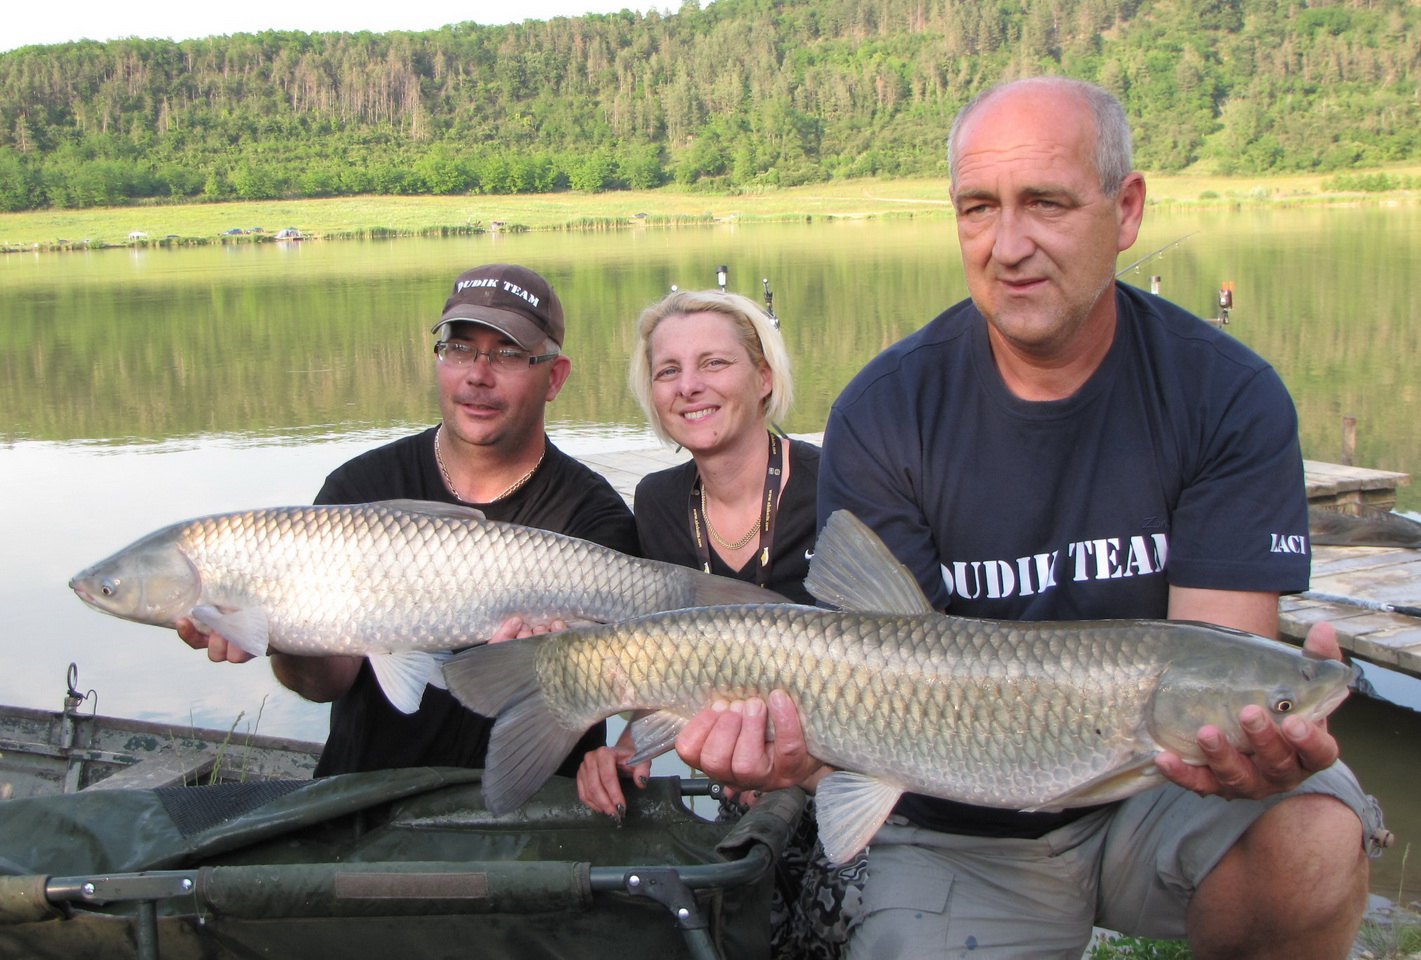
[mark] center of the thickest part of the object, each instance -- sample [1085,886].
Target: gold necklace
[449,481]
[737,545]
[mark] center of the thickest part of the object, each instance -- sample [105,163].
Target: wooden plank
[165,769]
[1338,477]
[1384,638]
[1351,489]
[1382,574]
[1372,573]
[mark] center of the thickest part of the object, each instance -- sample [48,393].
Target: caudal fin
[528,742]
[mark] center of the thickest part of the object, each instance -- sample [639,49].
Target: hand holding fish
[896,696]
[749,744]
[1279,756]
[599,778]
[319,679]
[216,645]
[516,628]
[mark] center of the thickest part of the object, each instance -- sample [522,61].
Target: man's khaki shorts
[1131,868]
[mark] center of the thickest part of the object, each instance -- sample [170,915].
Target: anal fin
[850,808]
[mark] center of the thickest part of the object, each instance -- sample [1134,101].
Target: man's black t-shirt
[563,496]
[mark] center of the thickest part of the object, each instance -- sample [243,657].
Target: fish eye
[1283,705]
[108,588]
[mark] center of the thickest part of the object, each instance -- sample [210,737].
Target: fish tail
[487,677]
[528,742]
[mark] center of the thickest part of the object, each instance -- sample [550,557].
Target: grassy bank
[385,216]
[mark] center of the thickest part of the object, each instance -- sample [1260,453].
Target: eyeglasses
[460,354]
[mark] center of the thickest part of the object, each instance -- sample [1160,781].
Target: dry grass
[414,216]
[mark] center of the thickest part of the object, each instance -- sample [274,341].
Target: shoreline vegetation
[389,217]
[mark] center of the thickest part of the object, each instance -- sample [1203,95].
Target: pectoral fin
[1139,773]
[850,808]
[247,628]
[403,677]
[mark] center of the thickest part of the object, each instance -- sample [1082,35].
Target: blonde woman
[711,372]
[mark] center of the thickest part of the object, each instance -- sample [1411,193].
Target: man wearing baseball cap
[498,344]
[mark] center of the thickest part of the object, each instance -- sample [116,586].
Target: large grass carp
[395,581]
[1032,716]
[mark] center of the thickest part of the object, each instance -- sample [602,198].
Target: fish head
[1211,682]
[149,581]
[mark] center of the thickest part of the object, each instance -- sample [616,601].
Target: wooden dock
[1351,489]
[1375,574]
[1365,574]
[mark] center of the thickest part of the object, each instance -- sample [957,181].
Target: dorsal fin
[434,508]
[853,570]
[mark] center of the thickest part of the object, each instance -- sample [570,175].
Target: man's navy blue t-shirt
[1177,462]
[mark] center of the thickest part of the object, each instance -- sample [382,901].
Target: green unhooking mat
[398,863]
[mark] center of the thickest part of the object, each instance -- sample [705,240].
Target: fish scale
[924,710]
[383,580]
[1014,715]
[925,698]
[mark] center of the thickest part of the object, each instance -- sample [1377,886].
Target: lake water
[139,388]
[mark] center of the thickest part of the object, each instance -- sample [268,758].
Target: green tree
[740,92]
[18,184]
[594,173]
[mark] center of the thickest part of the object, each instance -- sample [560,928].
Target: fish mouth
[87,597]
[1334,699]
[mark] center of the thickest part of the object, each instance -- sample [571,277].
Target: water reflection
[263,340]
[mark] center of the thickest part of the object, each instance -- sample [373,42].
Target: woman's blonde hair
[755,328]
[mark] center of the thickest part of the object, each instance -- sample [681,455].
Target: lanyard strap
[769,507]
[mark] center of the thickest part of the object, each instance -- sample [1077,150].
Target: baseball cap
[511,299]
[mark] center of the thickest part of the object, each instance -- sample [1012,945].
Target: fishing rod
[722,277]
[770,302]
[1150,256]
[1405,610]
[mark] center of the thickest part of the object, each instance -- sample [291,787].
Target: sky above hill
[42,22]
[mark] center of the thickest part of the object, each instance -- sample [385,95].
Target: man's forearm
[321,679]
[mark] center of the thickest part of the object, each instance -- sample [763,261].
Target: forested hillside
[739,95]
